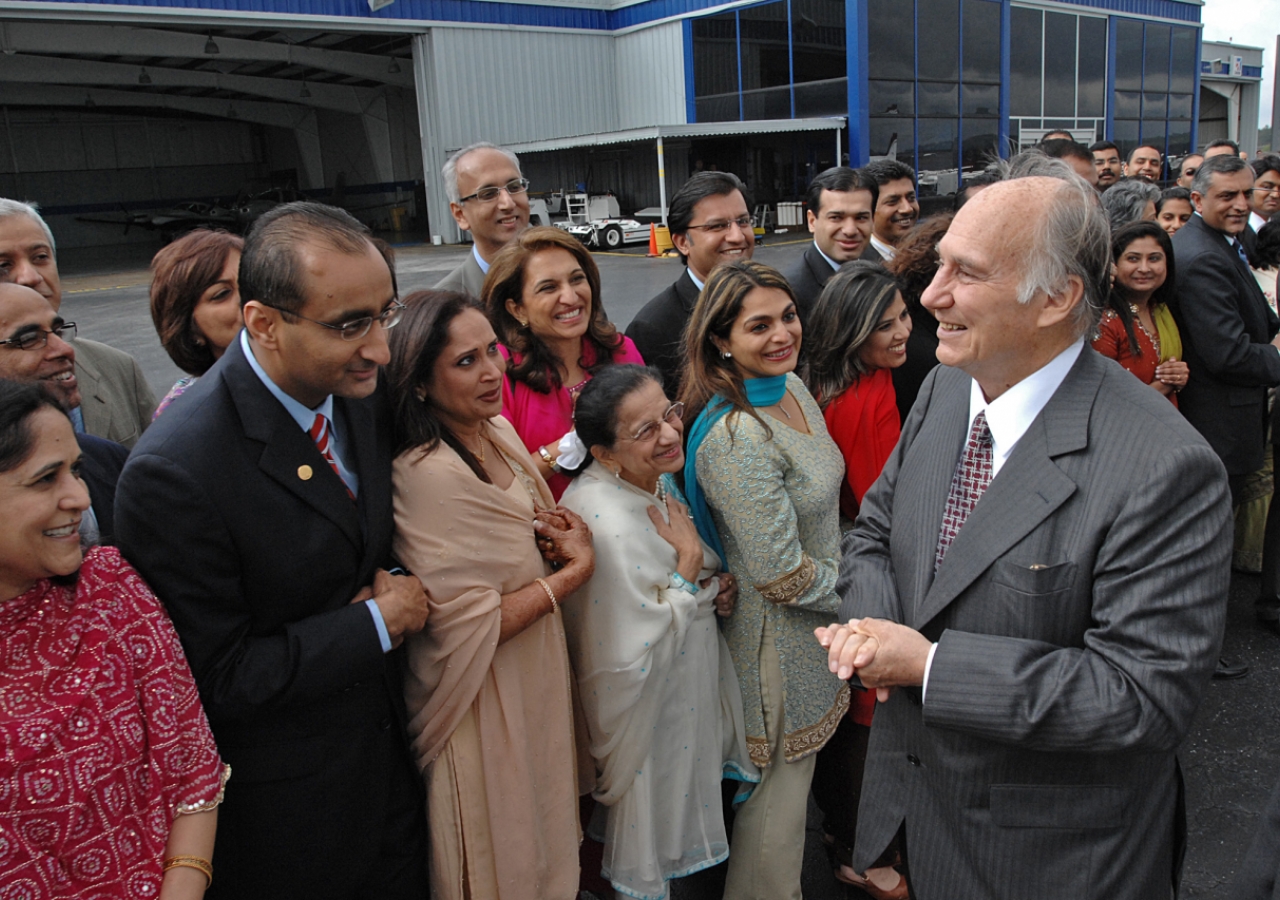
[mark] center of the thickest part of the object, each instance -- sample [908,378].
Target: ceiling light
[211,46]
[394,67]
[143,77]
[306,91]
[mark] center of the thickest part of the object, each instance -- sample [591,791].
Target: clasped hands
[883,654]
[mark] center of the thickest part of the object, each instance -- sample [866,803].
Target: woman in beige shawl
[488,690]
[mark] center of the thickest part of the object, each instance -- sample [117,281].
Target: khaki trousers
[767,849]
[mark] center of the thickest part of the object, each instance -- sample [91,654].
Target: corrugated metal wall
[650,76]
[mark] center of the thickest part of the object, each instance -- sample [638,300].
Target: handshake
[883,654]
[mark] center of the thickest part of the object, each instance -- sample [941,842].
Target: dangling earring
[523,323]
[199,341]
[617,473]
[725,354]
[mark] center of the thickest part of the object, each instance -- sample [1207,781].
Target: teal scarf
[760,392]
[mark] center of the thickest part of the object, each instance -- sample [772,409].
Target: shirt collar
[1011,414]
[694,279]
[835,265]
[1230,239]
[882,248]
[484,266]
[1256,221]
[300,413]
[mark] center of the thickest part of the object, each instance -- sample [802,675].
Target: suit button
[385,724]
[913,759]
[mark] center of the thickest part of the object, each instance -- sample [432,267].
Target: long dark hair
[180,273]
[19,401]
[1118,299]
[538,366]
[843,320]
[416,344]
[595,414]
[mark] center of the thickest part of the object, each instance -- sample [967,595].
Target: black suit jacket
[234,518]
[871,254]
[1226,327]
[807,276]
[922,357]
[101,461]
[658,329]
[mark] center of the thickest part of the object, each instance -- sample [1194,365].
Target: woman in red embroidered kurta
[107,764]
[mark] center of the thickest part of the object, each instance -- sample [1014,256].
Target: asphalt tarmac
[1230,760]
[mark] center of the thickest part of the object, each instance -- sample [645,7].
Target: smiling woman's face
[765,338]
[647,442]
[555,301]
[886,348]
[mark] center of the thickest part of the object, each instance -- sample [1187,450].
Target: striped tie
[320,434]
[968,484]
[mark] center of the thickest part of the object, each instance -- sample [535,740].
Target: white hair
[18,208]
[450,170]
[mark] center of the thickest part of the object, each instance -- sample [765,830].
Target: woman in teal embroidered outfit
[762,477]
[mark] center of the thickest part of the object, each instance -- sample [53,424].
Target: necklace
[479,456]
[783,410]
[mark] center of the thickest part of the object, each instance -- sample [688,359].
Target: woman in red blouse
[1137,330]
[858,329]
[109,778]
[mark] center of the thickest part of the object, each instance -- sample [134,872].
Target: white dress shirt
[885,250]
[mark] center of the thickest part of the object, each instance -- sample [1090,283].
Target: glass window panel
[1153,133]
[981,138]
[981,99]
[1157,64]
[1179,106]
[764,48]
[1091,78]
[1027,42]
[1179,138]
[1184,61]
[1128,55]
[981,42]
[939,99]
[1155,106]
[715,58]
[718,108]
[1059,64]
[1125,136]
[823,98]
[890,39]
[817,40]
[885,131]
[767,103]
[938,144]
[1128,104]
[939,23]
[892,97]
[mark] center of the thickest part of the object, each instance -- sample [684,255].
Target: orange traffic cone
[653,240]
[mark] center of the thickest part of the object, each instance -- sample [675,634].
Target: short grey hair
[450,170]
[1126,200]
[1070,238]
[18,208]
[1222,164]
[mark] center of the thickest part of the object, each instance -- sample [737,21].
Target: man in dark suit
[710,222]
[489,198]
[838,208]
[1037,583]
[897,208]
[259,509]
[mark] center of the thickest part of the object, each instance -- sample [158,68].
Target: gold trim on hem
[758,750]
[805,742]
[187,809]
[788,588]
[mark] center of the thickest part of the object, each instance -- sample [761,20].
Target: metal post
[838,160]
[662,182]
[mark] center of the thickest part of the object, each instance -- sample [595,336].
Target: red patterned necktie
[320,434]
[972,476]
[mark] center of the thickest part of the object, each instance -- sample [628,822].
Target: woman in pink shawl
[488,689]
[542,295]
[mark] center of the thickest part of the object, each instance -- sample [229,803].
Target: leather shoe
[1267,611]
[899,891]
[1229,668]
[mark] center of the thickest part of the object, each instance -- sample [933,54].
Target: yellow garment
[1167,329]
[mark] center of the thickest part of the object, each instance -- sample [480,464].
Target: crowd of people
[468,594]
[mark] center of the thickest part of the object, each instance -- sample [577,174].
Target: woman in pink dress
[542,295]
[109,778]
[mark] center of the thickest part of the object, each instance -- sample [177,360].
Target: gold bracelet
[192,862]
[548,459]
[550,593]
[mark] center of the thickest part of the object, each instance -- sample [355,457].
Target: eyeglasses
[650,431]
[356,328]
[1265,190]
[489,194]
[743,222]
[39,337]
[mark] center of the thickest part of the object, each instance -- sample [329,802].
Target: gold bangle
[548,459]
[192,862]
[550,593]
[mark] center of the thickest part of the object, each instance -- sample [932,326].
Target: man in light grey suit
[1036,586]
[490,198]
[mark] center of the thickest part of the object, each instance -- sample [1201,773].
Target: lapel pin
[304,472]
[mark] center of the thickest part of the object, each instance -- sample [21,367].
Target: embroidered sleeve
[787,589]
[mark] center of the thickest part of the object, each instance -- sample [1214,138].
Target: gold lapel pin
[304,472]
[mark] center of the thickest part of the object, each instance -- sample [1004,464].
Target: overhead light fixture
[143,77]
[393,68]
[305,92]
[211,46]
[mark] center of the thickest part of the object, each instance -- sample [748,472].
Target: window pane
[885,131]
[767,103]
[1153,133]
[1092,77]
[1179,106]
[939,99]
[1125,136]
[981,42]
[891,39]
[764,48]
[938,144]
[1179,138]
[1059,64]
[718,108]
[892,97]
[817,39]
[1024,62]
[981,99]
[1155,106]
[1128,104]
[1157,65]
[939,22]
[1128,55]
[715,59]
[1184,61]
[823,98]
[981,137]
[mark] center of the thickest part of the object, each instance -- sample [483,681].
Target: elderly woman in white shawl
[662,704]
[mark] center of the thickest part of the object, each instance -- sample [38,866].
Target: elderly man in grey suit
[1036,586]
[489,198]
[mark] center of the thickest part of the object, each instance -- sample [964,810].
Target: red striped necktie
[320,434]
[968,484]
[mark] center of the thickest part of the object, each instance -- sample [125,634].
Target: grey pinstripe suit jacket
[1078,616]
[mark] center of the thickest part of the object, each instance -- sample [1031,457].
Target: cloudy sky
[1254,23]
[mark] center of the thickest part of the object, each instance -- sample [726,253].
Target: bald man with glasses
[489,198]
